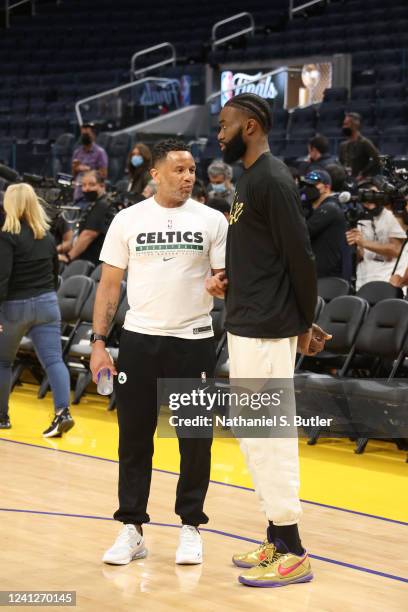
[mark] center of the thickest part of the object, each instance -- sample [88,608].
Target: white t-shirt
[169,252]
[374,267]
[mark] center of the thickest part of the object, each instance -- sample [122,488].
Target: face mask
[136,161]
[374,212]
[86,139]
[309,194]
[347,132]
[90,196]
[234,149]
[218,187]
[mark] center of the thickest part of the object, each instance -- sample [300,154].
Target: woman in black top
[28,301]
[139,163]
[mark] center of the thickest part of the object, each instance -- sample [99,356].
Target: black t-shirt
[272,288]
[29,267]
[361,156]
[96,217]
[327,228]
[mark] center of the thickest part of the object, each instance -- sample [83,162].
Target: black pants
[143,359]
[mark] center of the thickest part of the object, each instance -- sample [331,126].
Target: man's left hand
[216,285]
[312,342]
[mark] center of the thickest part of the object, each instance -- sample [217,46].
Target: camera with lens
[391,190]
[123,199]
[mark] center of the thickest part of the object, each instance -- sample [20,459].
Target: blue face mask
[136,160]
[218,187]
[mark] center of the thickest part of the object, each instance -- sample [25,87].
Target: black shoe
[62,423]
[5,422]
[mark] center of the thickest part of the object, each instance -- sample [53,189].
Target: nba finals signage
[240,82]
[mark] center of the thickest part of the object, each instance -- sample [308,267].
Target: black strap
[399,256]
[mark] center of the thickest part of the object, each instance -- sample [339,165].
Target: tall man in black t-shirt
[270,300]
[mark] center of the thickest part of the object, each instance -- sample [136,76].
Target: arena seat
[331,287]
[376,291]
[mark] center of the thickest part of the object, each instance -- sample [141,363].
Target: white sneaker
[129,545]
[190,548]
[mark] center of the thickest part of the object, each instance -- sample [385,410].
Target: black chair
[79,267]
[378,349]
[78,350]
[319,307]
[342,318]
[331,287]
[97,273]
[376,291]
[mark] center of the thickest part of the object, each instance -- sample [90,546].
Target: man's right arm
[106,305]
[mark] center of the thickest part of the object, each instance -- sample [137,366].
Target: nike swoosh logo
[284,571]
[168,258]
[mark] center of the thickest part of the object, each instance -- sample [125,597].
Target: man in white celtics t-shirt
[170,244]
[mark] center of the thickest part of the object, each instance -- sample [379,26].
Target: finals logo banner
[246,83]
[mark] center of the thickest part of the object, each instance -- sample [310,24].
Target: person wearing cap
[220,186]
[357,154]
[325,222]
[88,156]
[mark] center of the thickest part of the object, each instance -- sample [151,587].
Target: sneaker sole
[257,583]
[140,555]
[60,429]
[189,561]
[243,564]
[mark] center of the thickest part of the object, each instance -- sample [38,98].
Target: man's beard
[235,149]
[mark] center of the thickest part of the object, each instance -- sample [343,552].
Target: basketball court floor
[57,497]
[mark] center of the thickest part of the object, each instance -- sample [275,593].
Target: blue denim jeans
[39,318]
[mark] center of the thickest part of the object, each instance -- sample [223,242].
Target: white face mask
[218,187]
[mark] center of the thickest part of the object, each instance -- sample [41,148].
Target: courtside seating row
[370,339]
[370,336]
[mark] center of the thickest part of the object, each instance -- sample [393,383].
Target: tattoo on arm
[110,311]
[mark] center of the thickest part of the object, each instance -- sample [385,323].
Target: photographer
[400,275]
[28,302]
[378,240]
[325,222]
[94,221]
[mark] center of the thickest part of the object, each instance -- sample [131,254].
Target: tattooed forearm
[106,303]
[111,308]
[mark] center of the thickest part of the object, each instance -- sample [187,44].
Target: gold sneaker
[254,558]
[278,570]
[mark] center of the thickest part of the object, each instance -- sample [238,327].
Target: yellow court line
[373,483]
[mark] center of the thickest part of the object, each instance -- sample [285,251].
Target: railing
[248,30]
[297,9]
[171,60]
[8,7]
[133,106]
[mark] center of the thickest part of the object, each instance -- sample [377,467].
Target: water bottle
[105,382]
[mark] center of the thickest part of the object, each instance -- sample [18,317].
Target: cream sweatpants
[272,462]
